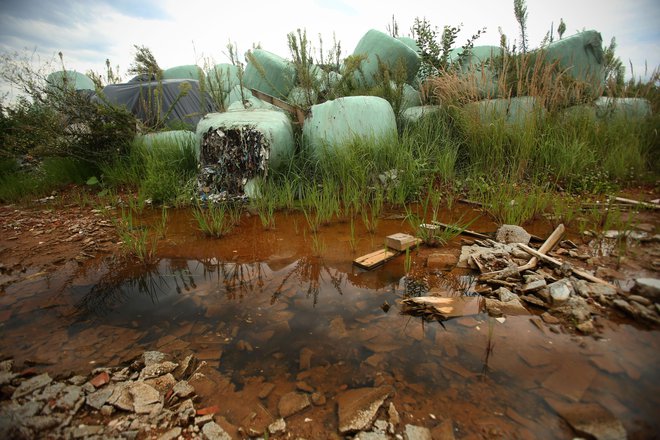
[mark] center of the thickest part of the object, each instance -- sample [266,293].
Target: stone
[107,410]
[202,420]
[591,420]
[648,288]
[183,390]
[444,431]
[292,403]
[338,328]
[393,414]
[497,308]
[413,432]
[213,431]
[152,357]
[171,434]
[357,408]
[304,386]
[512,234]
[6,377]
[640,299]
[305,362]
[533,285]
[371,436]
[560,291]
[265,390]
[185,368]
[121,397]
[505,295]
[98,398]
[549,319]
[40,423]
[145,397]
[86,431]
[162,383]
[277,426]
[441,261]
[157,369]
[586,327]
[597,289]
[31,385]
[318,399]
[69,397]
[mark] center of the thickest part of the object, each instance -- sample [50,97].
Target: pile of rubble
[151,397]
[511,280]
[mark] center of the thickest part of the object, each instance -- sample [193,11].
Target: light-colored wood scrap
[638,203]
[558,263]
[401,241]
[375,259]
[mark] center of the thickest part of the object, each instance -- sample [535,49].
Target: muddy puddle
[284,308]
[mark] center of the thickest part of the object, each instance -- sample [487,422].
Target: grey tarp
[140,99]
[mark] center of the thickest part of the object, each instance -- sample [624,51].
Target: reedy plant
[217,219]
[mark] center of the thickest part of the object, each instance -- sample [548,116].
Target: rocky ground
[160,397]
[155,397]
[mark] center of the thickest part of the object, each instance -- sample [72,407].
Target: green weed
[217,220]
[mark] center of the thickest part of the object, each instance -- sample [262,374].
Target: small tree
[520,11]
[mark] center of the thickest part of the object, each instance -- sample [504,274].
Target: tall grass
[162,171]
[217,220]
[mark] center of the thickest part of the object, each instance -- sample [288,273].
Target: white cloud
[186,32]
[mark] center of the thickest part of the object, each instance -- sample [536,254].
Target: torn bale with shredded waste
[229,159]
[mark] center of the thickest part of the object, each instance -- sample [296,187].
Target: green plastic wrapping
[627,108]
[189,71]
[581,56]
[378,46]
[514,111]
[270,74]
[410,42]
[180,138]
[334,123]
[414,114]
[75,80]
[411,97]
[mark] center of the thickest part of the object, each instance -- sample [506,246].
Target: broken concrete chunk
[505,295]
[31,385]
[158,369]
[591,420]
[533,286]
[512,234]
[358,407]
[277,426]
[413,432]
[213,431]
[648,288]
[513,307]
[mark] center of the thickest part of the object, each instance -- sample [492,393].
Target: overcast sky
[188,32]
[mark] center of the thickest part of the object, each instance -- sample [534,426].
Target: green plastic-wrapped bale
[514,111]
[392,53]
[476,63]
[410,42]
[414,114]
[581,56]
[222,76]
[73,80]
[411,97]
[626,108]
[190,71]
[269,73]
[333,124]
[182,139]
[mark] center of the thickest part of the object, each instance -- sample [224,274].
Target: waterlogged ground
[280,307]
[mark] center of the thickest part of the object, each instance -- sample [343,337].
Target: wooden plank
[296,111]
[401,241]
[464,231]
[638,203]
[559,263]
[375,259]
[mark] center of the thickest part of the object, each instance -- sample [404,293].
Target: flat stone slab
[292,403]
[590,419]
[357,408]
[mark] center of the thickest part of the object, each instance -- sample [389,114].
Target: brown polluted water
[282,307]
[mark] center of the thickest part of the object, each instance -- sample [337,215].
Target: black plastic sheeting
[141,99]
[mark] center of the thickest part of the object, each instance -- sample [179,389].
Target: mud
[274,310]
